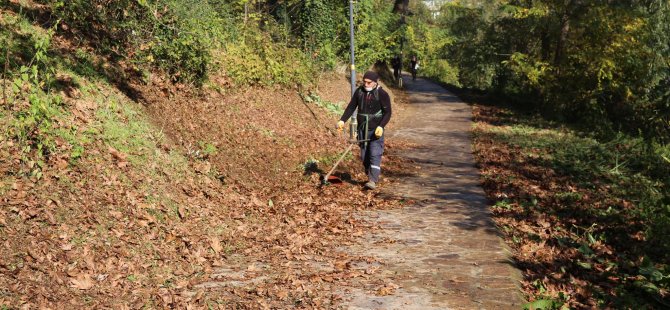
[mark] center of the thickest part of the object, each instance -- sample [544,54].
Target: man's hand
[340,126]
[379,131]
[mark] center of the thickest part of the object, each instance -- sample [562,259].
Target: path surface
[444,251]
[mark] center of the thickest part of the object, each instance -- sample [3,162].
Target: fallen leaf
[252,267]
[82,282]
[387,289]
[216,244]
[118,155]
[182,212]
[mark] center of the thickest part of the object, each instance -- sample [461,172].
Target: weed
[124,129]
[267,132]
[79,240]
[568,197]
[208,149]
[333,108]
[158,214]
[310,165]
[330,160]
[504,204]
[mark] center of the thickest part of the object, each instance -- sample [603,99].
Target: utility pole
[353,123]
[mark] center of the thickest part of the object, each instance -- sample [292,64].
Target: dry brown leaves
[550,239]
[244,228]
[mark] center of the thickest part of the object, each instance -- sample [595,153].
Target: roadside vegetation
[572,141]
[150,149]
[130,134]
[586,218]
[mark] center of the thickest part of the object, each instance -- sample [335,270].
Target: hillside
[168,154]
[123,193]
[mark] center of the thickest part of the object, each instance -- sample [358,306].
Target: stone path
[442,252]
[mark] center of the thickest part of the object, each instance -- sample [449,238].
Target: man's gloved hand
[340,126]
[379,131]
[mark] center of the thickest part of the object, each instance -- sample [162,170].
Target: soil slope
[153,189]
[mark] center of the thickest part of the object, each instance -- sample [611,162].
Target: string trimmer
[334,179]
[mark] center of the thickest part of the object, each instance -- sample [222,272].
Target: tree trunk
[571,8]
[546,45]
[562,38]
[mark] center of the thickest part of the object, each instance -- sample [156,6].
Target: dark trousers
[371,155]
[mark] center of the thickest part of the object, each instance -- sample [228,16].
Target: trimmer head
[332,179]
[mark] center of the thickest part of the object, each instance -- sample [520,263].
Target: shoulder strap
[361,93]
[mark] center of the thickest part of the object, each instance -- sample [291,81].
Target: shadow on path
[443,251]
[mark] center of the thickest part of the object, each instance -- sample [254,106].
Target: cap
[371,75]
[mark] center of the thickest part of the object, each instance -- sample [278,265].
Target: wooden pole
[325,178]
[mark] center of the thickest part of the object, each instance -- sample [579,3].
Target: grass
[123,128]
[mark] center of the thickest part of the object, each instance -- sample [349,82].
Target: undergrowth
[608,201]
[335,108]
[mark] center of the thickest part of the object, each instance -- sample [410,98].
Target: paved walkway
[443,252]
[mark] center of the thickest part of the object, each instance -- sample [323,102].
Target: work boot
[370,185]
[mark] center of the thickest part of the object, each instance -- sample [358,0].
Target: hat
[371,75]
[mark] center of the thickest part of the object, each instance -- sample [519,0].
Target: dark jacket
[369,103]
[396,62]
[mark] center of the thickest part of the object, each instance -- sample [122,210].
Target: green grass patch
[125,129]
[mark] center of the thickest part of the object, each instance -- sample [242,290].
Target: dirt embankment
[173,189]
[257,138]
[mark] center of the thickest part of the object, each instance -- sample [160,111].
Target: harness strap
[364,125]
[378,114]
[361,95]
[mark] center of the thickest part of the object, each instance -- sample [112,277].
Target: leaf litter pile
[578,245]
[209,205]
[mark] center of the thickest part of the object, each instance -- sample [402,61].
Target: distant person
[414,67]
[396,63]
[374,112]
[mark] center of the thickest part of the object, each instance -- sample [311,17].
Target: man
[414,66]
[396,63]
[374,112]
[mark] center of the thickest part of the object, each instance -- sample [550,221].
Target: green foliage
[426,40]
[597,63]
[259,42]
[543,304]
[36,116]
[322,32]
[523,75]
[375,25]
[208,149]
[121,126]
[442,71]
[180,36]
[35,109]
[334,108]
[162,33]
[256,61]
[469,50]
